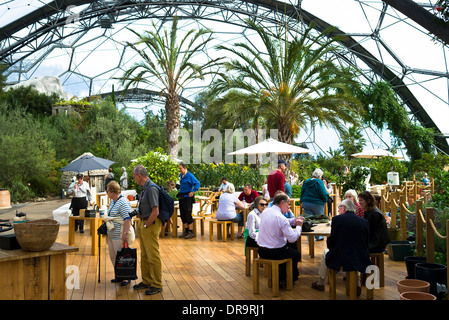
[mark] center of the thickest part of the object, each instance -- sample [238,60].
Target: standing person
[186,196]
[379,236]
[124,179]
[276,179]
[314,194]
[248,195]
[148,228]
[347,244]
[108,178]
[275,234]
[118,215]
[81,199]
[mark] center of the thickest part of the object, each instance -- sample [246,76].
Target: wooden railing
[391,201]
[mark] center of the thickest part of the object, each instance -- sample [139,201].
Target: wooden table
[94,224]
[26,275]
[321,229]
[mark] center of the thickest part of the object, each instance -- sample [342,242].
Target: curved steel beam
[56,17]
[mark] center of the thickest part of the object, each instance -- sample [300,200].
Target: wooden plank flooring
[200,269]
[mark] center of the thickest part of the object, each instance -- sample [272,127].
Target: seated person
[253,221]
[289,214]
[425,179]
[379,236]
[275,232]
[347,244]
[248,195]
[351,194]
[288,189]
[224,182]
[227,204]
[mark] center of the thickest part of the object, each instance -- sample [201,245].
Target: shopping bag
[126,263]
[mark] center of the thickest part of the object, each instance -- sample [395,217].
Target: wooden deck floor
[200,269]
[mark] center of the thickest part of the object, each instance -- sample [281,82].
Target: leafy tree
[161,169]
[29,99]
[171,64]
[384,111]
[352,141]
[25,151]
[295,82]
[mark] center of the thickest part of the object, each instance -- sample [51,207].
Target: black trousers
[287,251]
[185,209]
[76,205]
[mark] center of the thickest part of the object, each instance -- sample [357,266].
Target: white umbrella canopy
[270,146]
[375,154]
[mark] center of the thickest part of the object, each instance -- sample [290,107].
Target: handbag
[125,267]
[103,229]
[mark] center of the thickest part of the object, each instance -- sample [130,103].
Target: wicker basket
[37,235]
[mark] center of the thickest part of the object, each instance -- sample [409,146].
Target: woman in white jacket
[253,221]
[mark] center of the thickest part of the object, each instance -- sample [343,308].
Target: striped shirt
[120,208]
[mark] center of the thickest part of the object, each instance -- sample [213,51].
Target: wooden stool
[248,251]
[378,260]
[274,267]
[195,219]
[351,285]
[221,224]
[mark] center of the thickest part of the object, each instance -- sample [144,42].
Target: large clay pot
[5,199]
[408,285]
[410,264]
[38,235]
[417,296]
[433,273]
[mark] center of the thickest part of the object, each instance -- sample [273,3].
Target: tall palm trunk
[173,123]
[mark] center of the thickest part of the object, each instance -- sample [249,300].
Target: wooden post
[403,217]
[432,187]
[419,230]
[430,236]
[382,201]
[447,252]
[415,189]
[393,209]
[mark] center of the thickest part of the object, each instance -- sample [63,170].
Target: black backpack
[166,204]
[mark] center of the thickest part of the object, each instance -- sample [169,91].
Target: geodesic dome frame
[76,31]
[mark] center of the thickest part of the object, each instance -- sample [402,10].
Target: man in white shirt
[81,199]
[277,237]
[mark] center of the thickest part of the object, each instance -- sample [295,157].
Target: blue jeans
[313,209]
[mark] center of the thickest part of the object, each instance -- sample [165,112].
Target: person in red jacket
[248,195]
[276,179]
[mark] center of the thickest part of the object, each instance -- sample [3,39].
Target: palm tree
[352,141]
[295,81]
[171,64]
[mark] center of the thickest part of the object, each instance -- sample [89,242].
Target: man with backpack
[186,196]
[148,228]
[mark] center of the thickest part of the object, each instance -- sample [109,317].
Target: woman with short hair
[227,204]
[118,221]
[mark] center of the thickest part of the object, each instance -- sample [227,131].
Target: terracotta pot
[5,199]
[38,235]
[408,285]
[417,296]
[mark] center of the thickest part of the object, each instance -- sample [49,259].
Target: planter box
[398,250]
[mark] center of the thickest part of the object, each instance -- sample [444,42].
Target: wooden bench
[273,281]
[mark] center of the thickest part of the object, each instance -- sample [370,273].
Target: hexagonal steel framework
[83,43]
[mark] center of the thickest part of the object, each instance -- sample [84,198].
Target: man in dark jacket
[347,244]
